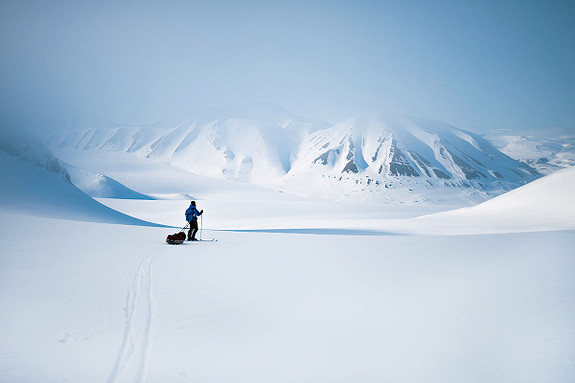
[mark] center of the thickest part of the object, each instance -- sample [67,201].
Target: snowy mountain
[387,154]
[381,157]
[546,154]
[252,143]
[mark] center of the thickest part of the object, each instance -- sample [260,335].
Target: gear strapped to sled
[176,239]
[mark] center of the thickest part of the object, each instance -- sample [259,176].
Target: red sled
[176,239]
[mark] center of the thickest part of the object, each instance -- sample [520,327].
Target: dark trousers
[193,229]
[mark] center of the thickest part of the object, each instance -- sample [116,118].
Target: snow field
[294,290]
[101,302]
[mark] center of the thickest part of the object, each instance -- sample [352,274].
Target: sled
[176,239]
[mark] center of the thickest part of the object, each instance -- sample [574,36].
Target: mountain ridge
[270,146]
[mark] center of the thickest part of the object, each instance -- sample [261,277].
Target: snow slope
[542,205]
[101,186]
[258,307]
[32,181]
[545,204]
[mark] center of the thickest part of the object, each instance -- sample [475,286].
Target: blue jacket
[192,213]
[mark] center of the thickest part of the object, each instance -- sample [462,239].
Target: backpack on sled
[176,239]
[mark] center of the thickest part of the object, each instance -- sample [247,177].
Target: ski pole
[201,225]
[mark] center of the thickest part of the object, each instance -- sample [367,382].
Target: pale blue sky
[476,64]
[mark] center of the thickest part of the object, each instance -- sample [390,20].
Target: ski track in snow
[132,361]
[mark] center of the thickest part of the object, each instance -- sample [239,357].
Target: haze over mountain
[382,157]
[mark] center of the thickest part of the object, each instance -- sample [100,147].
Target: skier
[192,214]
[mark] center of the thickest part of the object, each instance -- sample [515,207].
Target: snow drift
[545,204]
[34,182]
[101,186]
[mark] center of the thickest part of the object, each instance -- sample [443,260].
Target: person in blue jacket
[192,214]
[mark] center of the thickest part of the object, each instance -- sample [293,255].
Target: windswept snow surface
[545,204]
[101,186]
[27,188]
[314,291]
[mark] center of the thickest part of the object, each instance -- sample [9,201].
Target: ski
[208,240]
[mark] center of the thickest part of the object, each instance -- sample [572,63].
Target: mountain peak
[371,150]
[366,153]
